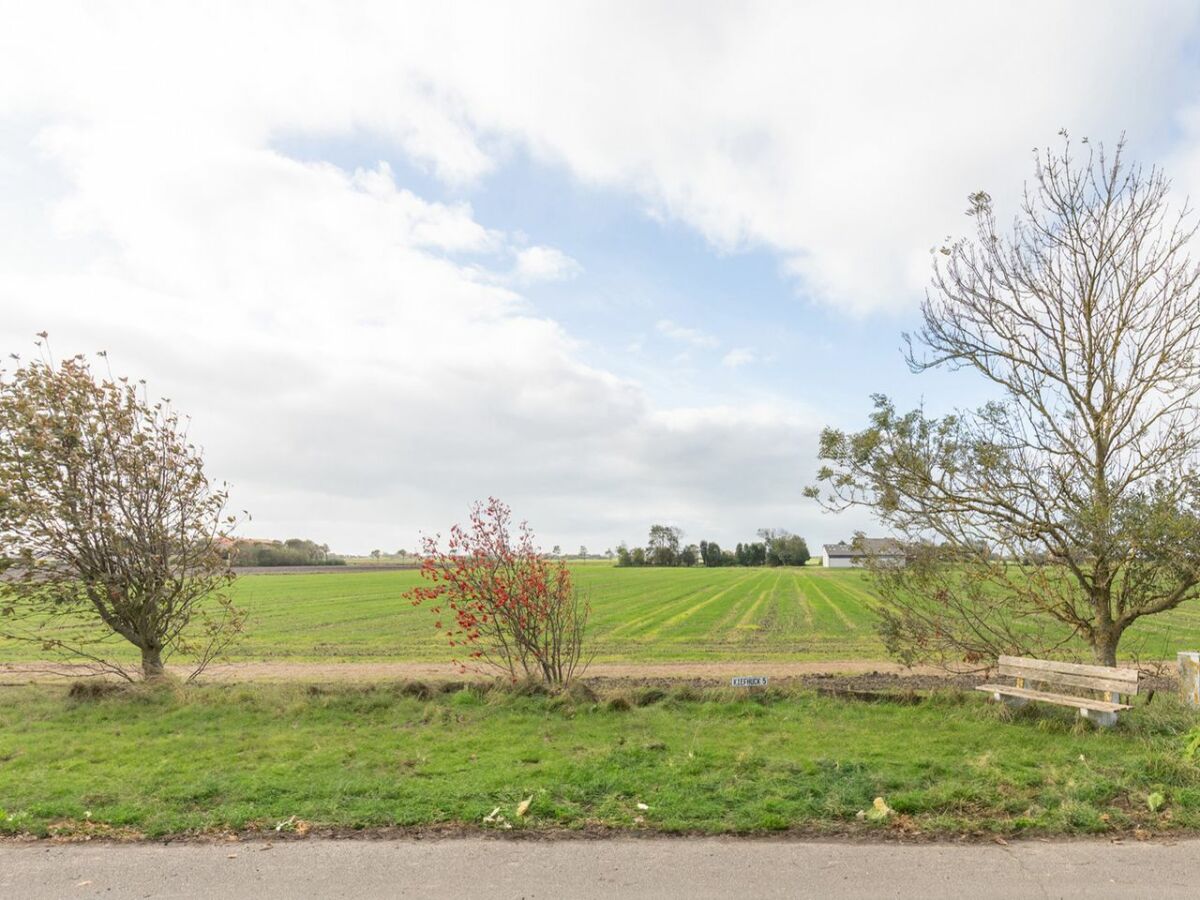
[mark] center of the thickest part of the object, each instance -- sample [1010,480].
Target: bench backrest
[1092,678]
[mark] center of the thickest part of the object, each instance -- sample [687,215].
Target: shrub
[503,603]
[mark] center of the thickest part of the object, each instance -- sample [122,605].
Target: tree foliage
[292,552]
[662,546]
[787,549]
[501,602]
[107,518]
[664,550]
[1070,505]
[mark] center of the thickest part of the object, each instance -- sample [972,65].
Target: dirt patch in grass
[837,677]
[631,673]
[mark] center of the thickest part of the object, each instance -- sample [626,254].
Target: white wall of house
[836,562]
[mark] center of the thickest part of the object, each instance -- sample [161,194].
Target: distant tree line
[401,555]
[292,552]
[664,547]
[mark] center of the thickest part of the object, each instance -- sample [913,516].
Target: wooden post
[1189,677]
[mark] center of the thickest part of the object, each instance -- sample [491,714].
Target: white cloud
[352,354]
[544,264]
[738,356]
[843,137]
[349,352]
[685,335]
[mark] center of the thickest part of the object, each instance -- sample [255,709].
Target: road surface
[626,867]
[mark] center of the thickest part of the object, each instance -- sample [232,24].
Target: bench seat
[1096,691]
[1007,690]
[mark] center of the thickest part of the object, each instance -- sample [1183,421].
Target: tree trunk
[1104,647]
[152,664]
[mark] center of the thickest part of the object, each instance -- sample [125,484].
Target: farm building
[842,555]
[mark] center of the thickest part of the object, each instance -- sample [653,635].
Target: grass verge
[264,757]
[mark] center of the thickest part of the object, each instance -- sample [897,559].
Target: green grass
[216,757]
[639,615]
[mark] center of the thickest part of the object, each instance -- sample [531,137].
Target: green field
[215,758]
[638,615]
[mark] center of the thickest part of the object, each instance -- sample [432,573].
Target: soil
[708,673]
[851,678]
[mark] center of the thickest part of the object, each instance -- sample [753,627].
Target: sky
[615,263]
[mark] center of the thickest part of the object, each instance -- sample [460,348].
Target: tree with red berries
[500,602]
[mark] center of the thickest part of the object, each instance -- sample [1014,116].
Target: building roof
[866,547]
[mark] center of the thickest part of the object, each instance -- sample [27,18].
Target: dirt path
[23,673]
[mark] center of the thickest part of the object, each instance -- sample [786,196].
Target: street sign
[750,681]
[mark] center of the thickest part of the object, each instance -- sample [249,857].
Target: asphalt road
[650,867]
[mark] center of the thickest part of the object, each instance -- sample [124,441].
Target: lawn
[639,615]
[215,758]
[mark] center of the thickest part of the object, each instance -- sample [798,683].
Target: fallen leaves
[294,825]
[87,829]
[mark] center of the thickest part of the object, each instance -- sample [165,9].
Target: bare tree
[108,525]
[1069,506]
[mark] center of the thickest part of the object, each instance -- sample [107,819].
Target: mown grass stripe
[693,610]
[834,607]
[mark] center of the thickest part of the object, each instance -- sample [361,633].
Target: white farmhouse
[844,556]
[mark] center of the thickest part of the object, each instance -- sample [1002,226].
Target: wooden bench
[1109,683]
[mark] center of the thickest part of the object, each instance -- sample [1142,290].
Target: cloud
[359,359]
[544,264]
[738,356]
[355,358]
[843,138]
[685,335]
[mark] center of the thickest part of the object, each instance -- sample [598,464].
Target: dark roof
[866,547]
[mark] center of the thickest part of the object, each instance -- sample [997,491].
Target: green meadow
[148,761]
[648,614]
[268,757]
[358,614]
